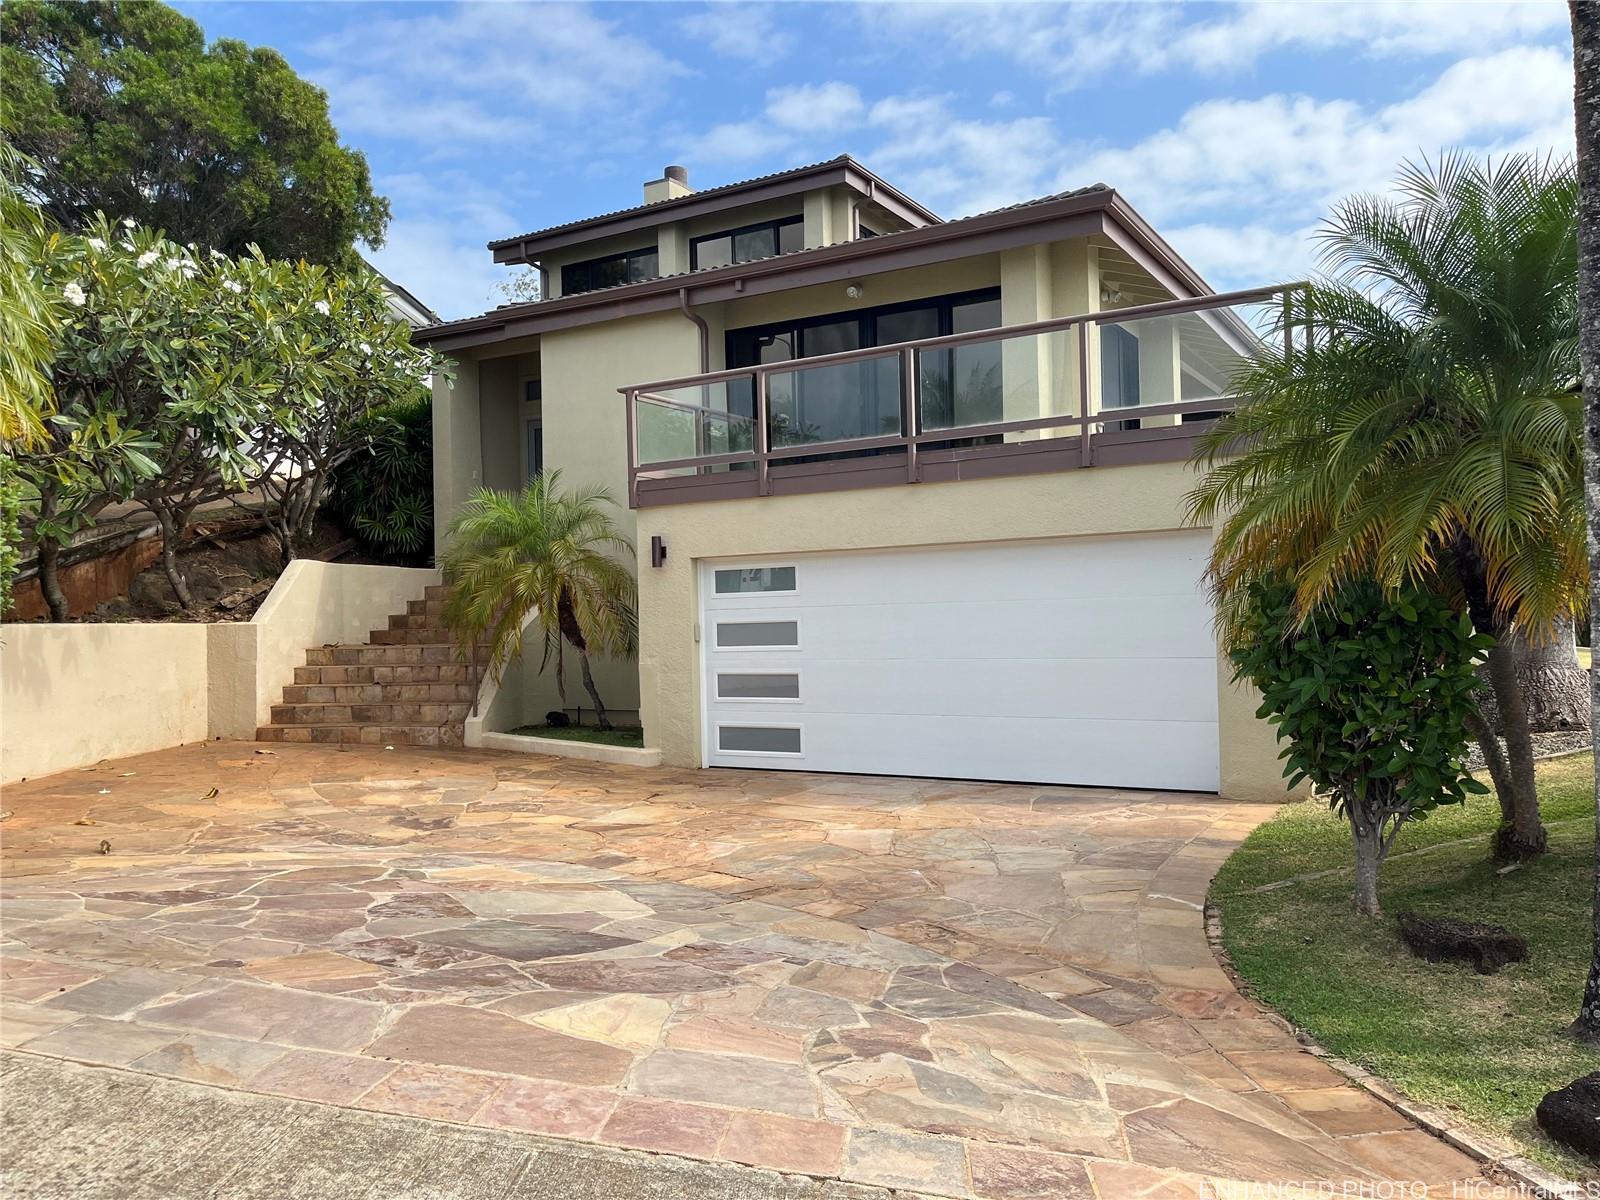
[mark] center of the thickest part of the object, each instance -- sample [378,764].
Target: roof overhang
[1100,211]
[840,171]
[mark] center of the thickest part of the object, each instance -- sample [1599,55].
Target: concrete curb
[1451,1130]
[621,756]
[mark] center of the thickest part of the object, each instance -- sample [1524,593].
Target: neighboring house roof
[841,170]
[1097,209]
[414,311]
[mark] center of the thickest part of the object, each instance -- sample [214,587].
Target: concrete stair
[408,685]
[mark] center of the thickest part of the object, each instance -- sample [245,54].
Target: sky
[1231,127]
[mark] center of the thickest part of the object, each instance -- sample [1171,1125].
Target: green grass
[621,736]
[1487,1046]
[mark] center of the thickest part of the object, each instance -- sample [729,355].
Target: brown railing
[1046,362]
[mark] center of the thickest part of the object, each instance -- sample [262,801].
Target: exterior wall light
[855,291]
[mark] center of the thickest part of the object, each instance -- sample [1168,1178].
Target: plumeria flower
[233,285]
[96,244]
[365,349]
[215,253]
[322,307]
[75,295]
[128,222]
[148,257]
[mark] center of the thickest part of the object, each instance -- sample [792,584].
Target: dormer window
[632,266]
[748,242]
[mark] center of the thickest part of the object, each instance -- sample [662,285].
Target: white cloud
[748,31]
[791,122]
[1234,257]
[960,165]
[1286,153]
[435,246]
[483,72]
[1074,45]
[821,108]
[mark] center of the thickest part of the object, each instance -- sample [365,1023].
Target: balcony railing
[1123,385]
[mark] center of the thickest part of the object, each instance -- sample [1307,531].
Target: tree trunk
[49,554]
[170,533]
[1521,835]
[1554,687]
[50,579]
[594,694]
[1369,855]
[1586,62]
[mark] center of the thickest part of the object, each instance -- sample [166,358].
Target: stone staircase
[407,686]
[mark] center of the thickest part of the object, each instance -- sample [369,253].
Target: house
[883,525]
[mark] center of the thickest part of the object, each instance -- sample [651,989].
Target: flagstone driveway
[964,989]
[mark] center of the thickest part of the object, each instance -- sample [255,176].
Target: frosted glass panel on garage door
[1085,660]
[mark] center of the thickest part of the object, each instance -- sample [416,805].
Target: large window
[960,386]
[633,266]
[1119,372]
[778,236]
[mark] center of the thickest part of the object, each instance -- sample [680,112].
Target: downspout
[700,323]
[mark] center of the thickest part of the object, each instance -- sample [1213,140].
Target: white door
[1079,660]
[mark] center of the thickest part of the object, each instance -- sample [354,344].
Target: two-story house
[885,521]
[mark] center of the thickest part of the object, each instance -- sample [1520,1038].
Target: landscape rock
[1486,947]
[1571,1115]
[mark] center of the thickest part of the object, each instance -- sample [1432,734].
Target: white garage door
[1083,660]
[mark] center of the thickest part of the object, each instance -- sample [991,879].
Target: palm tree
[1426,428]
[546,553]
[1586,60]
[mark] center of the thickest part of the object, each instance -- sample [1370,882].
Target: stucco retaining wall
[71,695]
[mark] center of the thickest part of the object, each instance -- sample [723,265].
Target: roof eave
[1050,220]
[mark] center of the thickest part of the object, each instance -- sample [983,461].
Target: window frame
[750,723]
[775,224]
[624,257]
[867,319]
[718,673]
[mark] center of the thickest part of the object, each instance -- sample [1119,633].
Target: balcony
[1122,386]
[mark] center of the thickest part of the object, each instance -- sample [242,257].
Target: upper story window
[778,236]
[632,266]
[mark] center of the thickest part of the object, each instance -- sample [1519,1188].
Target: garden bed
[1488,1047]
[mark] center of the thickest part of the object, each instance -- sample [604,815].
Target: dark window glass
[1119,372]
[850,400]
[631,267]
[908,325]
[713,252]
[746,244]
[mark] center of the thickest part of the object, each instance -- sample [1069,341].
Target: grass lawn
[621,736]
[1488,1046]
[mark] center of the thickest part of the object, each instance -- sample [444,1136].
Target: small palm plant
[546,553]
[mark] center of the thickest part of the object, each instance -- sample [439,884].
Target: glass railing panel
[1019,378]
[833,402]
[693,421]
[1174,358]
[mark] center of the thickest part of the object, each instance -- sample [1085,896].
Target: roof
[843,168]
[404,295]
[1096,208]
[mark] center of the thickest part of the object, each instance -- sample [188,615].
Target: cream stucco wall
[73,694]
[1072,503]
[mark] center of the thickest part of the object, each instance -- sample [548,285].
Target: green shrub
[384,492]
[1370,695]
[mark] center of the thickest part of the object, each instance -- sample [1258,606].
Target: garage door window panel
[758,685]
[765,580]
[758,635]
[759,739]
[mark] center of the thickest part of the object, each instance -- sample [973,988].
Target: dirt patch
[230,563]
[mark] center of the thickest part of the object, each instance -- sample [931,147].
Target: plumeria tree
[181,377]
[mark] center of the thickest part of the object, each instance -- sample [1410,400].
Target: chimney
[674,182]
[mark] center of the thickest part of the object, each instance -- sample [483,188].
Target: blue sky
[1231,127]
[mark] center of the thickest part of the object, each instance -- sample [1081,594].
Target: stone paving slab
[100,1134]
[973,990]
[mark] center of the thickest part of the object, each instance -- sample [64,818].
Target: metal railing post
[1086,443]
[763,440]
[910,424]
[631,396]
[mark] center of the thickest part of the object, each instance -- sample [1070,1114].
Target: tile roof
[660,205]
[877,241]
